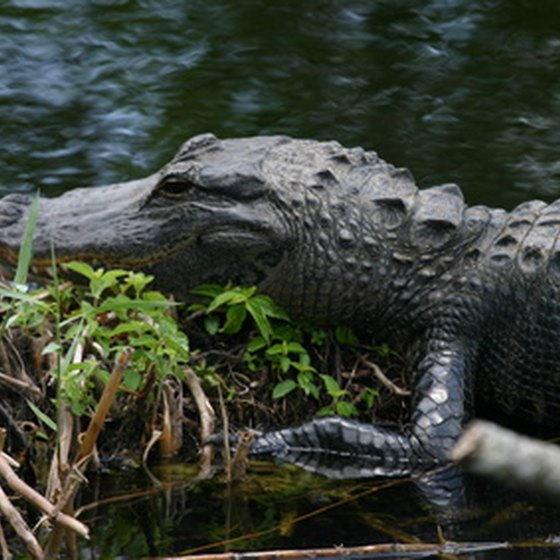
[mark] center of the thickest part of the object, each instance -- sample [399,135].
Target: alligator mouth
[43,266]
[225,235]
[114,227]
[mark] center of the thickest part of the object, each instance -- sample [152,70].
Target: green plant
[115,309]
[279,344]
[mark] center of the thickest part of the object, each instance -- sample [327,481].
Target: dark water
[287,508]
[456,90]
[104,90]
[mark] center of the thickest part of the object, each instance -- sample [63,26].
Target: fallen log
[524,463]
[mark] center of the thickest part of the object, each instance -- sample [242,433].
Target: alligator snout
[12,209]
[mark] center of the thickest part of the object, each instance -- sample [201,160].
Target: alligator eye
[175,186]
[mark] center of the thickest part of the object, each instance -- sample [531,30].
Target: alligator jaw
[198,229]
[82,224]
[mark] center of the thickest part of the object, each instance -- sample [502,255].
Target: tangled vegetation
[74,332]
[105,351]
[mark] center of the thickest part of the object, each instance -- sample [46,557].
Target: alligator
[470,294]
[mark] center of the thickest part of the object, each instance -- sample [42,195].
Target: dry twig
[4,549]
[384,380]
[225,426]
[87,446]
[39,501]
[172,422]
[207,416]
[393,550]
[101,412]
[26,385]
[20,526]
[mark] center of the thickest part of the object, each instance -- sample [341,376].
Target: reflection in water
[456,90]
[289,508]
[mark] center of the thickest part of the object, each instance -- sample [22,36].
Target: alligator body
[337,235]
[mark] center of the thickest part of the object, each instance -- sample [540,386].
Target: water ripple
[458,90]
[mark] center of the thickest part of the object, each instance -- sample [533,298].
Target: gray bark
[524,463]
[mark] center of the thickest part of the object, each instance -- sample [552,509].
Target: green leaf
[283,388]
[331,384]
[208,290]
[318,337]
[178,342]
[212,324]
[258,343]
[132,379]
[296,348]
[138,281]
[51,347]
[345,335]
[305,361]
[46,420]
[369,396]
[303,367]
[385,351]
[284,363]
[81,268]
[231,297]
[325,411]
[131,327]
[26,248]
[347,409]
[262,322]
[278,349]
[221,299]
[235,317]
[270,308]
[146,340]
[101,282]
[305,381]
[124,303]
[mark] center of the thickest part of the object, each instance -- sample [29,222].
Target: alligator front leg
[341,448]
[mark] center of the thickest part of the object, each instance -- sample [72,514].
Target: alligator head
[205,216]
[287,215]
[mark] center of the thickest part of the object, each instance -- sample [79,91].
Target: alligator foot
[341,448]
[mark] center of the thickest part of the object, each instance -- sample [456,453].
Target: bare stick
[39,501]
[225,424]
[20,385]
[525,463]
[59,463]
[154,438]
[172,419]
[4,549]
[87,446]
[366,551]
[11,461]
[206,414]
[384,380]
[65,419]
[20,526]
[107,398]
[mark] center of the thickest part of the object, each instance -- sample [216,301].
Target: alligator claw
[235,439]
[217,440]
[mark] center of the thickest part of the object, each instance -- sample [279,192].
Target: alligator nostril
[18,198]
[12,207]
